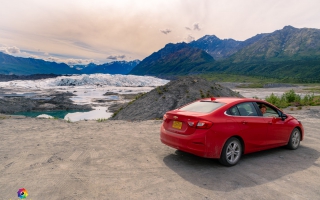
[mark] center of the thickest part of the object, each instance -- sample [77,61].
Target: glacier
[88,89]
[116,80]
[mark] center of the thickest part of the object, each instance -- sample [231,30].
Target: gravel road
[54,159]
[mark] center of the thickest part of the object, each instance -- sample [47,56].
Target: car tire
[294,140]
[231,152]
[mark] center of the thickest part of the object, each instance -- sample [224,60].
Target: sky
[101,31]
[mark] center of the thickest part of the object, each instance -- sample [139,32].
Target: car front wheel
[231,152]
[294,140]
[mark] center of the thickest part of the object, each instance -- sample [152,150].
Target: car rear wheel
[231,152]
[294,140]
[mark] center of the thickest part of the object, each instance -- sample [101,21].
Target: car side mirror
[284,116]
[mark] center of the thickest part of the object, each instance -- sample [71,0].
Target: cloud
[112,57]
[70,61]
[189,29]
[10,50]
[79,61]
[165,31]
[34,56]
[196,27]
[190,38]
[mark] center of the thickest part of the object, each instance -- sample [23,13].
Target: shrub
[291,98]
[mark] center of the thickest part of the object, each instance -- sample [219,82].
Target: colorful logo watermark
[22,193]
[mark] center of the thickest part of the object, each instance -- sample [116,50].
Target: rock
[47,106]
[174,94]
[44,116]
[130,96]
[110,93]
[59,101]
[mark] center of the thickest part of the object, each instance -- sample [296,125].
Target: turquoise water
[56,113]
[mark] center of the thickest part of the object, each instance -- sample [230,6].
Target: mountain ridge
[288,53]
[10,65]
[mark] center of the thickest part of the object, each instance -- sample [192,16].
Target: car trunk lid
[185,122]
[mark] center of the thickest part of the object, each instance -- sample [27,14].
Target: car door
[278,128]
[252,127]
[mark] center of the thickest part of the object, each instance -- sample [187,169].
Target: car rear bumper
[194,143]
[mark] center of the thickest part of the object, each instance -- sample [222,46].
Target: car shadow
[252,170]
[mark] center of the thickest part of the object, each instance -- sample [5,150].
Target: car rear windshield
[202,106]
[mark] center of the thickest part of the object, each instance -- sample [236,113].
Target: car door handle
[244,122]
[269,122]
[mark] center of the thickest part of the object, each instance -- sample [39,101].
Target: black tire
[231,152]
[294,140]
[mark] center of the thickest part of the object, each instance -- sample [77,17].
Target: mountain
[115,67]
[26,66]
[216,47]
[173,59]
[289,53]
[288,43]
[220,49]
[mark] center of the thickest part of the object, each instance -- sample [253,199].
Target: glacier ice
[89,80]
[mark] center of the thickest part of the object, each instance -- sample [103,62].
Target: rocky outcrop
[174,94]
[57,101]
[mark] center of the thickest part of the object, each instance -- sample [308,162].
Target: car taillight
[200,124]
[164,117]
[204,124]
[190,123]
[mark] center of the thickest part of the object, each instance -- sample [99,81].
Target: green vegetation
[101,119]
[159,90]
[290,98]
[115,113]
[223,77]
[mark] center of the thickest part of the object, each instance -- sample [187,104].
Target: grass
[290,98]
[315,89]
[255,81]
[252,80]
[101,119]
[251,85]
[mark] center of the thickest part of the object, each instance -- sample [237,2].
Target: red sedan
[226,128]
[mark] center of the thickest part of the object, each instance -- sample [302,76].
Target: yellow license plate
[176,124]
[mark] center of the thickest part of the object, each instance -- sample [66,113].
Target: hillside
[27,66]
[288,43]
[290,54]
[173,59]
[174,94]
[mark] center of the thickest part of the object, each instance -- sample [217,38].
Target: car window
[247,109]
[202,106]
[270,111]
[233,111]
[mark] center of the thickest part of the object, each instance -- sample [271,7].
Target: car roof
[228,100]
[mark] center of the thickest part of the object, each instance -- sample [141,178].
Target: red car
[226,128]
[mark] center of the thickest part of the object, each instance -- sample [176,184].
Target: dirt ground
[54,159]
